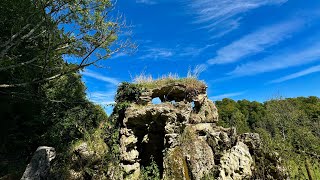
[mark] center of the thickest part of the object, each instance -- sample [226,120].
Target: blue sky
[246,49]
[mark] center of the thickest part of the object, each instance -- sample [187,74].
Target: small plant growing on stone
[150,172]
[128,92]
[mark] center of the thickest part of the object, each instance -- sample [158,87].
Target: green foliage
[35,35]
[287,126]
[42,97]
[150,172]
[230,114]
[96,166]
[128,92]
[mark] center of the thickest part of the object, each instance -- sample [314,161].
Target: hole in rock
[150,131]
[195,106]
[156,100]
[170,93]
[202,133]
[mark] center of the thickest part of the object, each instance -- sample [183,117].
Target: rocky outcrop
[181,136]
[39,167]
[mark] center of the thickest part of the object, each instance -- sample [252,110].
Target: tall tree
[82,29]
[42,98]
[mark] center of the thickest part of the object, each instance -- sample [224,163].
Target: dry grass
[142,78]
[147,78]
[149,82]
[195,73]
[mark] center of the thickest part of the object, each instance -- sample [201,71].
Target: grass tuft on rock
[148,82]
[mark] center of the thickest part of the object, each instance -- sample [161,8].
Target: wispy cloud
[256,42]
[280,61]
[148,2]
[118,55]
[305,72]
[102,97]
[227,95]
[100,77]
[177,51]
[223,16]
[193,50]
[156,53]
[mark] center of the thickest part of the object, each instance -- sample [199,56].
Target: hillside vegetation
[42,97]
[288,126]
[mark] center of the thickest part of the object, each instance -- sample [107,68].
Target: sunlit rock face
[39,166]
[181,136]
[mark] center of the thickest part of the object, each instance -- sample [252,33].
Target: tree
[231,115]
[284,115]
[37,33]
[42,97]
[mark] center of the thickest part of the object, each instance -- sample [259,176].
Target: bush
[128,92]
[150,172]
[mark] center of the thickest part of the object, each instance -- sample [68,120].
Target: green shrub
[150,172]
[128,92]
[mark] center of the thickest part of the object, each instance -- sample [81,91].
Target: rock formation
[39,166]
[180,134]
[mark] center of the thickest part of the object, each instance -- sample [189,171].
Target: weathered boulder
[236,163]
[39,167]
[252,140]
[204,111]
[199,155]
[82,152]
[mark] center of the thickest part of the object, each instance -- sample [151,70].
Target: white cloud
[178,51]
[279,61]
[305,72]
[148,2]
[221,14]
[156,53]
[193,50]
[255,42]
[100,77]
[102,97]
[227,95]
[118,55]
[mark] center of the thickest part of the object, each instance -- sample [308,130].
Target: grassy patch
[189,82]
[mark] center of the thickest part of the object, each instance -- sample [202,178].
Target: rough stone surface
[236,163]
[82,151]
[181,136]
[39,167]
[252,140]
